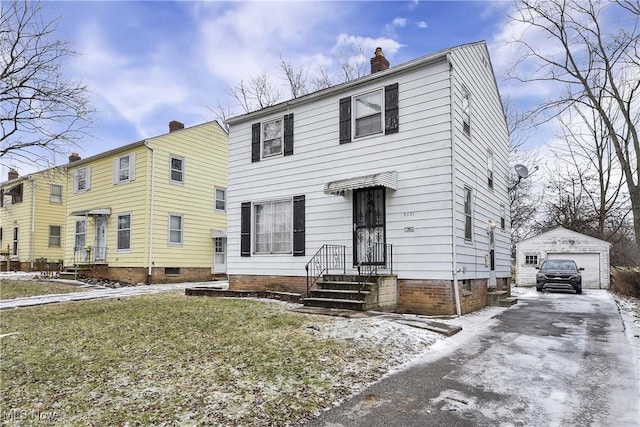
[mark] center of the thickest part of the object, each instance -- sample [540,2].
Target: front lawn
[29,288]
[173,360]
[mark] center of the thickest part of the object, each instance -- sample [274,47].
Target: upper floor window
[55,195]
[82,179]
[272,138]
[124,169]
[490,169]
[15,192]
[221,199]
[54,236]
[370,113]
[177,169]
[503,216]
[124,232]
[466,111]
[175,229]
[468,214]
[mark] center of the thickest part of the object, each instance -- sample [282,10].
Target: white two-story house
[400,175]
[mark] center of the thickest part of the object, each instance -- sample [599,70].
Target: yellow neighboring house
[32,220]
[153,211]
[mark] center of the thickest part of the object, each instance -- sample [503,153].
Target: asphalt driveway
[554,359]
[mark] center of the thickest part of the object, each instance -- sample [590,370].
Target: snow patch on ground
[19,275]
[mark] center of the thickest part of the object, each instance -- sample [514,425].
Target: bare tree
[598,65]
[259,92]
[41,111]
[589,158]
[295,76]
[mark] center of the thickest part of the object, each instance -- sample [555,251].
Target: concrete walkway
[98,292]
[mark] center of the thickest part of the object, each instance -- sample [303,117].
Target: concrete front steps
[500,299]
[343,292]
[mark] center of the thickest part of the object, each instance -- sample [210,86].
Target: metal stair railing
[328,258]
[379,256]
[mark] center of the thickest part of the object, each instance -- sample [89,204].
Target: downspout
[33,220]
[151,207]
[454,165]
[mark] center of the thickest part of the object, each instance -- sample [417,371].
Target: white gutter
[456,288]
[33,219]
[151,207]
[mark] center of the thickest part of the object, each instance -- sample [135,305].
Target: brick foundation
[476,299]
[295,284]
[436,297]
[139,274]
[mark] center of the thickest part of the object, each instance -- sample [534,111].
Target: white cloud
[367,44]
[422,24]
[399,22]
[133,88]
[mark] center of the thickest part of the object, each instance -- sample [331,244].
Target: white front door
[100,247]
[220,255]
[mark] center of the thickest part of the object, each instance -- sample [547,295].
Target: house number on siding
[409,214]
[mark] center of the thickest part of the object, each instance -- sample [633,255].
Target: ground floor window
[124,231]
[14,249]
[54,236]
[531,260]
[273,227]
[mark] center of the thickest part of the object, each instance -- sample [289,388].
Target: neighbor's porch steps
[500,299]
[343,292]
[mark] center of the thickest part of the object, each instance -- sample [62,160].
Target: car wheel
[578,290]
[539,288]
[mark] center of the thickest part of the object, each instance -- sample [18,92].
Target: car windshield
[559,265]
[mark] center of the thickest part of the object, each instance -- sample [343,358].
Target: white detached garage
[588,252]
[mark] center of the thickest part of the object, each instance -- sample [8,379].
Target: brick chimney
[74,157]
[13,174]
[379,62]
[175,125]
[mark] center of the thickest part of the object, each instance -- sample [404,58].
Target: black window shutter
[255,142]
[288,134]
[391,109]
[345,120]
[245,229]
[298,226]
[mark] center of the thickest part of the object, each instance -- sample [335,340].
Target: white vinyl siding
[418,219]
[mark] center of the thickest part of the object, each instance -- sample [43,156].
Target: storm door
[369,226]
[492,259]
[100,251]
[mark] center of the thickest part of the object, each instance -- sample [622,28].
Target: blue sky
[147,63]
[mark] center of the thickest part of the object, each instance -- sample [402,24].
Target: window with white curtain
[273,231]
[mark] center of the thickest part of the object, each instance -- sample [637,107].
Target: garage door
[591,264]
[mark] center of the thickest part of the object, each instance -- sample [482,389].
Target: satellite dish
[521,170]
